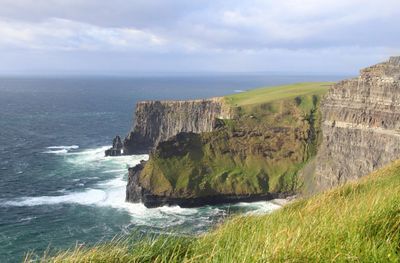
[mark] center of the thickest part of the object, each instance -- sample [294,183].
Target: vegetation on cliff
[358,222]
[275,132]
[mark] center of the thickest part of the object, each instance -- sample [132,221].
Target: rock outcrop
[361,125]
[116,149]
[134,191]
[157,121]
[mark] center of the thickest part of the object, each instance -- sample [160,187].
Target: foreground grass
[358,222]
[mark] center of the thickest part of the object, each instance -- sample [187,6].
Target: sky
[194,36]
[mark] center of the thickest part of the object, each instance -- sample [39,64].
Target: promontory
[264,143]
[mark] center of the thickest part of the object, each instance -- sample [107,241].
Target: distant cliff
[157,121]
[361,125]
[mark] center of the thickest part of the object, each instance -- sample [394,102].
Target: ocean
[56,187]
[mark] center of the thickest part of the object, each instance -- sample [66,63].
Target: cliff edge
[157,121]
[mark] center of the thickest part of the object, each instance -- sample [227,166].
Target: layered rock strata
[157,121]
[361,125]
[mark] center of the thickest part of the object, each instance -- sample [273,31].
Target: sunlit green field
[270,94]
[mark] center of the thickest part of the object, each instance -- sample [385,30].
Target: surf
[110,192]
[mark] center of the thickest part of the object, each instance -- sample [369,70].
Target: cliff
[361,127]
[157,121]
[253,156]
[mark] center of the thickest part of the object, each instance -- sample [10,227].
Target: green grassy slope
[275,134]
[270,94]
[358,222]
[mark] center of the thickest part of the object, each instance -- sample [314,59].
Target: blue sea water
[56,187]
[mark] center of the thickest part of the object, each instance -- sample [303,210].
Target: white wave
[91,196]
[261,207]
[238,90]
[62,151]
[114,171]
[27,219]
[92,158]
[70,147]
[177,210]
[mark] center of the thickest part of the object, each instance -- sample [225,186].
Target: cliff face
[361,125]
[157,121]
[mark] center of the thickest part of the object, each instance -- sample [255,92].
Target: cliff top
[387,69]
[213,99]
[395,60]
[270,94]
[259,95]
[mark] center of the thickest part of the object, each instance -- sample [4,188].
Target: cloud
[252,24]
[245,35]
[67,35]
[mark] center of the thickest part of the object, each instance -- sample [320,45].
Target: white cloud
[307,23]
[62,34]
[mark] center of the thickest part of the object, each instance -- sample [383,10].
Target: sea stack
[116,149]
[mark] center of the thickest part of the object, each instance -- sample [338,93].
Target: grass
[270,94]
[358,222]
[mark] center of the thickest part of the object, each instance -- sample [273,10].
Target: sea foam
[62,149]
[91,196]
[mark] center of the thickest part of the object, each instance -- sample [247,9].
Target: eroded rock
[116,149]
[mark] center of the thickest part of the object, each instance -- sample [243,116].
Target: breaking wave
[61,149]
[91,196]
[64,147]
